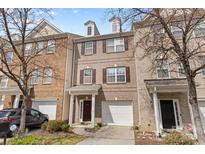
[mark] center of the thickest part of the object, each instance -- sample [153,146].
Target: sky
[72,20]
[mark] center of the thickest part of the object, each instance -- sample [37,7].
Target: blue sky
[72,20]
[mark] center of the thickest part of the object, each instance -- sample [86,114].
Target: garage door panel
[202,113]
[46,107]
[117,113]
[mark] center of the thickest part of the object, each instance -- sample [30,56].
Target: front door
[87,111]
[168,114]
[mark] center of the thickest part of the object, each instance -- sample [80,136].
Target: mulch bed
[147,138]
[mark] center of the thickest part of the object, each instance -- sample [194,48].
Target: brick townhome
[103,79]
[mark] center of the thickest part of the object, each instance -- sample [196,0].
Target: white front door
[202,112]
[117,113]
[46,107]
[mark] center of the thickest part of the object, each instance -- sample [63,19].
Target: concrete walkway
[111,135]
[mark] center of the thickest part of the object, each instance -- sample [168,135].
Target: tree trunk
[26,105]
[195,109]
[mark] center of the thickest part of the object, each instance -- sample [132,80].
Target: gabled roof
[113,18]
[89,21]
[42,25]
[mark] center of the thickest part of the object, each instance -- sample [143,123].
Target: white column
[16,101]
[71,110]
[156,112]
[93,111]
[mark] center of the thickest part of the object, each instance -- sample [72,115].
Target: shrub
[99,125]
[176,138]
[55,125]
[65,127]
[44,126]
[27,140]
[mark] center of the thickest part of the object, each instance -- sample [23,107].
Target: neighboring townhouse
[104,78]
[163,93]
[47,90]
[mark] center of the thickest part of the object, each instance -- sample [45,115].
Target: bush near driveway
[177,138]
[55,126]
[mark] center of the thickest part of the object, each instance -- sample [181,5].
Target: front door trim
[178,126]
[82,108]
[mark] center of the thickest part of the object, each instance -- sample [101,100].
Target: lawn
[47,139]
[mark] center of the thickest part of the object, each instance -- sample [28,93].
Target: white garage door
[1,105]
[202,112]
[46,107]
[117,113]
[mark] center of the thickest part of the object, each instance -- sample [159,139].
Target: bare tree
[176,35]
[15,25]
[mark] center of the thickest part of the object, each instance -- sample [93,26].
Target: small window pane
[88,76]
[51,46]
[200,30]
[177,32]
[89,32]
[34,77]
[28,49]
[110,45]
[48,75]
[4,81]
[162,68]
[39,47]
[181,71]
[114,27]
[202,61]
[9,56]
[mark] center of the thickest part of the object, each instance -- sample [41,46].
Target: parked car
[34,118]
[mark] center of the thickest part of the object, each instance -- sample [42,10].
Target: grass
[49,139]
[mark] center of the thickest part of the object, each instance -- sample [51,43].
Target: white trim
[87,54]
[116,74]
[169,73]
[81,101]
[178,127]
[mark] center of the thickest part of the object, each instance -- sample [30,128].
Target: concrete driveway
[111,135]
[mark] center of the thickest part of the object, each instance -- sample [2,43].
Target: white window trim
[47,82]
[116,75]
[6,81]
[28,52]
[89,48]
[196,28]
[37,49]
[84,76]
[179,29]
[201,63]
[115,45]
[51,46]
[178,72]
[169,75]
[34,83]
[91,30]
[11,58]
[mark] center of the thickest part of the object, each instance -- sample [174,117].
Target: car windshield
[4,114]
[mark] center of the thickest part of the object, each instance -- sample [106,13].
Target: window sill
[88,54]
[47,83]
[50,53]
[115,83]
[115,52]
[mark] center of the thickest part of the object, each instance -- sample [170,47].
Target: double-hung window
[202,62]
[114,27]
[34,77]
[116,75]
[48,73]
[162,68]
[9,56]
[87,76]
[39,47]
[181,72]
[89,30]
[51,46]
[4,81]
[115,45]
[28,49]
[89,48]
[177,32]
[200,30]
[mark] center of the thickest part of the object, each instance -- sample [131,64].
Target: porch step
[81,131]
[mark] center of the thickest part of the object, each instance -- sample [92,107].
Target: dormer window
[89,30]
[114,27]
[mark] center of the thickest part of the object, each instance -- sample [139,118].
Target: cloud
[76,11]
[53,13]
